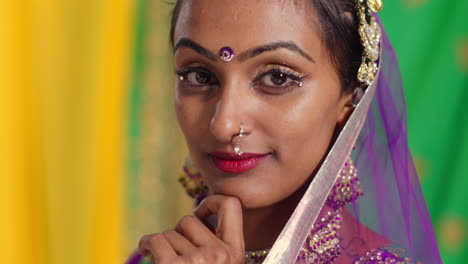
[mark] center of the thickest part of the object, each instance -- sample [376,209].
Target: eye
[197,76]
[277,80]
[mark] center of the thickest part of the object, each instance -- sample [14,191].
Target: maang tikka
[237,148]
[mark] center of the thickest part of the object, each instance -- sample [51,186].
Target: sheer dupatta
[375,136]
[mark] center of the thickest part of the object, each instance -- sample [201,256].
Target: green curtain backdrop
[431,41]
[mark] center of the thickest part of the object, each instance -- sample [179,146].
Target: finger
[158,246]
[229,212]
[195,231]
[179,243]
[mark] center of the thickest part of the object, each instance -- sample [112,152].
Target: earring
[357,95]
[237,148]
[347,187]
[192,180]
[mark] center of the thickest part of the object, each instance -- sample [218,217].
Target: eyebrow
[290,45]
[185,42]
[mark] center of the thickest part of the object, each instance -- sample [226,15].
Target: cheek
[194,116]
[304,134]
[182,114]
[312,139]
[307,126]
[315,122]
[188,114]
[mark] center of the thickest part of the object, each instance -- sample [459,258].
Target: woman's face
[280,86]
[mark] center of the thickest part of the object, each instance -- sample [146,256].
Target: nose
[229,115]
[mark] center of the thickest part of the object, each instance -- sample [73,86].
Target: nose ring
[237,148]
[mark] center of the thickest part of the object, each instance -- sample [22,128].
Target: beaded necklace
[255,257]
[321,245]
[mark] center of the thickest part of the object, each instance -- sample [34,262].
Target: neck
[262,226]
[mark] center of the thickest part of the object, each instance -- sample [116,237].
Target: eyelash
[295,79]
[193,69]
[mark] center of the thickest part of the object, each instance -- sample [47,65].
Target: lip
[233,163]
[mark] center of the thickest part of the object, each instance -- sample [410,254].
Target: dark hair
[339,32]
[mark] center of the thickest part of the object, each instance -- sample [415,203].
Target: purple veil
[376,138]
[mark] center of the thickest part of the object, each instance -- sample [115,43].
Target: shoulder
[386,255]
[362,245]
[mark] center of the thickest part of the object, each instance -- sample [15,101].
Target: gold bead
[375,5]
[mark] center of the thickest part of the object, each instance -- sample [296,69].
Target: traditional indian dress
[365,201]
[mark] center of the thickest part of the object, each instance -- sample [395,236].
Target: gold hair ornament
[370,34]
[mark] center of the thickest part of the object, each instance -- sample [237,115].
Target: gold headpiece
[370,34]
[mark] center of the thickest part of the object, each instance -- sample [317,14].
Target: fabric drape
[64,84]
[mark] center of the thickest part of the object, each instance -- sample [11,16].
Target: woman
[294,117]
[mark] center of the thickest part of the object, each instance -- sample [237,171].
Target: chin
[251,196]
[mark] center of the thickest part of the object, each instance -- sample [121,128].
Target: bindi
[226,54]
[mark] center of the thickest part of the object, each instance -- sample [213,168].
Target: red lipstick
[233,163]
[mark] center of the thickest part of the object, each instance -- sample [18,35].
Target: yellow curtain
[64,70]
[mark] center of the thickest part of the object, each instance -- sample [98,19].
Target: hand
[192,242]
